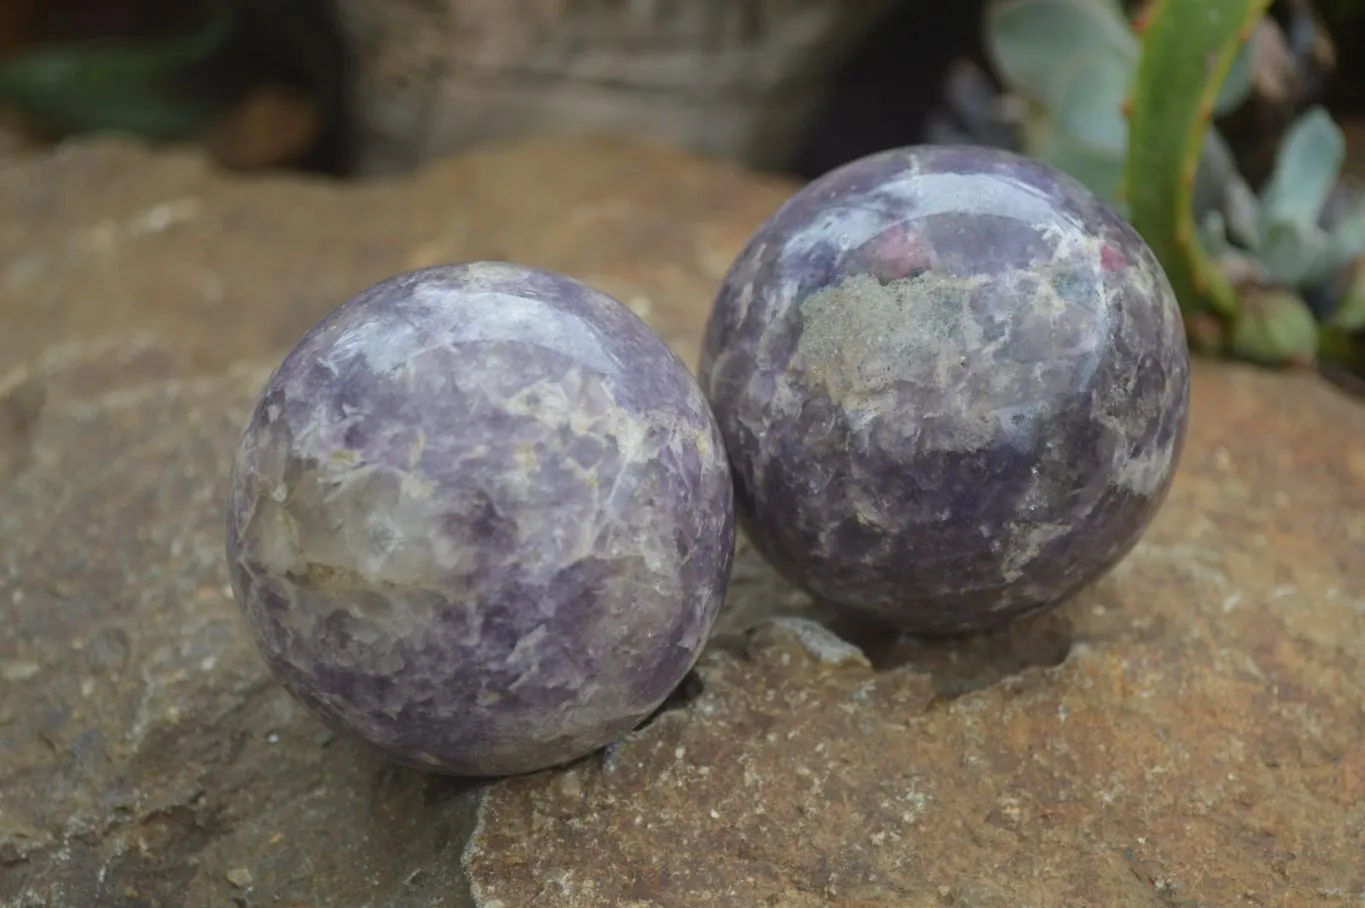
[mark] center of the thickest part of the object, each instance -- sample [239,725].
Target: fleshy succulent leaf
[1238,83]
[1306,168]
[1288,251]
[1099,171]
[1089,107]
[1346,241]
[1030,42]
[1350,312]
[1213,231]
[1275,327]
[1219,187]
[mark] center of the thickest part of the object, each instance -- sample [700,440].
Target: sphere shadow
[688,689]
[963,664]
[956,665]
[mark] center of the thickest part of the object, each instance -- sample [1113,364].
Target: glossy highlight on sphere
[953,385]
[481,517]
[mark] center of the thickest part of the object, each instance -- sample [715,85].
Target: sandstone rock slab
[1191,731]
[146,758]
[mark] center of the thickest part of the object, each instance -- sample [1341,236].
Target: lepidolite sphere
[953,385]
[481,517]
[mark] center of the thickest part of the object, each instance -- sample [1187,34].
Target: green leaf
[1306,168]
[1347,239]
[1213,232]
[1032,43]
[1187,49]
[1274,328]
[122,84]
[1350,311]
[1218,186]
[1089,108]
[1288,251]
[1097,170]
[1237,84]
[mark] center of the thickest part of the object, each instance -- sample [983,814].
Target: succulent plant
[1127,108]
[1072,63]
[1286,243]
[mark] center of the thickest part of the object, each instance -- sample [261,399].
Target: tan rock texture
[1191,731]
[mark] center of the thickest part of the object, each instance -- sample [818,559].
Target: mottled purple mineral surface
[481,517]
[953,385]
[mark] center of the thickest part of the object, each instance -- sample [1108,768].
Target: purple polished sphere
[481,517]
[953,385]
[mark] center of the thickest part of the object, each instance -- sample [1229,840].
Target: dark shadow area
[300,45]
[961,665]
[423,820]
[889,87]
[688,689]
[1344,91]
[259,84]
[441,790]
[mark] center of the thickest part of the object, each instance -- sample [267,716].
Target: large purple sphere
[953,385]
[481,517]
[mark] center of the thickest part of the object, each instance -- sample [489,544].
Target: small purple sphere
[481,517]
[953,385]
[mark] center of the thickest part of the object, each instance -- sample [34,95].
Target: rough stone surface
[145,750]
[953,385]
[481,517]
[1189,731]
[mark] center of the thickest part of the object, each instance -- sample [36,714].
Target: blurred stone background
[377,87]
